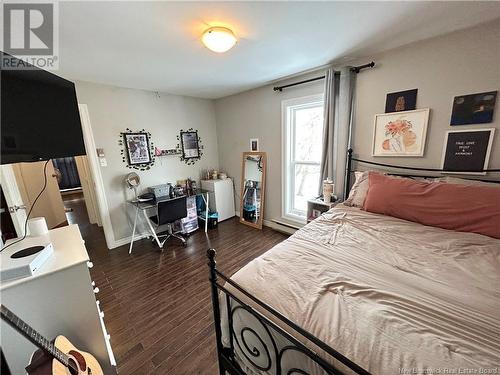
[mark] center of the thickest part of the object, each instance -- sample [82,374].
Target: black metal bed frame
[268,358]
[271,355]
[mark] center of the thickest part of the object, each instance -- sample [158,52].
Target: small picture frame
[473,109]
[138,149]
[467,151]
[254,144]
[401,101]
[400,133]
[190,145]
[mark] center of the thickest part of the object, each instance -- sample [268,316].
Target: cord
[31,209]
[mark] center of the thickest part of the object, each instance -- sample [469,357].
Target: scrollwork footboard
[250,343]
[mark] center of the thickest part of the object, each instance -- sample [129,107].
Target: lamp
[219,39]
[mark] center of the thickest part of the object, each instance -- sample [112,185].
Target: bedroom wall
[463,62]
[113,109]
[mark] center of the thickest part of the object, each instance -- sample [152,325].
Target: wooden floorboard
[157,304]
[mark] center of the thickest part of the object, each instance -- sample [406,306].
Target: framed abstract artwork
[400,133]
[467,151]
[473,109]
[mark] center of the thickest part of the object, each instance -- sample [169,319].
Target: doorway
[68,198]
[76,189]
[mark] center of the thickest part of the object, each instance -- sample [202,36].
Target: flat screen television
[39,114]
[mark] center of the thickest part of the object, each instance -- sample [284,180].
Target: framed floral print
[400,133]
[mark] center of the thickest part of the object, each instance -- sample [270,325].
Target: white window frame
[288,163]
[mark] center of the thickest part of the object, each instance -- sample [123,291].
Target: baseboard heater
[278,225]
[283,226]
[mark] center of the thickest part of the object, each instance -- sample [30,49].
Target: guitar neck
[32,335]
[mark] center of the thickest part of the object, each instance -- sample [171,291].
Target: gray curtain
[338,115]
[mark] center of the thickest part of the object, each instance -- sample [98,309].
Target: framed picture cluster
[402,130]
[468,151]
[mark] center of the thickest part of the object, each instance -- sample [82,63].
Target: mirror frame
[258,224]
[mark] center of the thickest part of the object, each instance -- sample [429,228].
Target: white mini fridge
[221,197]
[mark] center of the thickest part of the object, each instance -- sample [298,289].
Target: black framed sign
[467,150]
[190,145]
[138,149]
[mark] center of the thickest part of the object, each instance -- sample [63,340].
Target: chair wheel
[184,243]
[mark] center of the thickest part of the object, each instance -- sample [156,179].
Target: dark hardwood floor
[157,305]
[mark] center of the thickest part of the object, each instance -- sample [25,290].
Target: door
[30,180]
[13,197]
[88,188]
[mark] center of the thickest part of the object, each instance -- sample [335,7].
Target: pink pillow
[464,208]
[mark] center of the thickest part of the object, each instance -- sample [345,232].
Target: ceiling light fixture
[219,39]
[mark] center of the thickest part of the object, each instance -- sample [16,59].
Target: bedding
[393,296]
[465,208]
[359,189]
[463,181]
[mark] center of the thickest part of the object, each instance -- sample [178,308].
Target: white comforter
[391,295]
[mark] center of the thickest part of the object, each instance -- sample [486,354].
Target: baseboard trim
[277,225]
[127,240]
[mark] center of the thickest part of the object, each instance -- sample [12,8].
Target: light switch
[102,157]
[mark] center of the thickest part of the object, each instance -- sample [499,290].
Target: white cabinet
[221,197]
[59,299]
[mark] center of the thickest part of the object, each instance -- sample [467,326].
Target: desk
[145,206]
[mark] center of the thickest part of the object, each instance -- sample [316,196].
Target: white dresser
[59,299]
[221,197]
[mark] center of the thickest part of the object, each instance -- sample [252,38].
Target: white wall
[464,62]
[114,109]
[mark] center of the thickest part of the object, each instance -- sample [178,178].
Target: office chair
[167,213]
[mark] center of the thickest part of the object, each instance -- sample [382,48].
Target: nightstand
[315,207]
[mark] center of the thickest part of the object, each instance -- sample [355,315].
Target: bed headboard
[390,167]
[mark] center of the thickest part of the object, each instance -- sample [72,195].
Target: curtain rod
[355,69]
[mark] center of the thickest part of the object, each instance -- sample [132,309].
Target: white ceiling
[155,45]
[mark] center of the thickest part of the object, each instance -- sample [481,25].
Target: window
[302,140]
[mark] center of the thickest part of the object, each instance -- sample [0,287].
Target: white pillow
[359,190]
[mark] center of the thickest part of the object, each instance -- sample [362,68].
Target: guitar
[59,357]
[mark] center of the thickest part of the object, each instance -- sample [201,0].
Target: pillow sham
[357,194]
[464,208]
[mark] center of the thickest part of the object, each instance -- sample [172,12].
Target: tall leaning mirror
[253,183]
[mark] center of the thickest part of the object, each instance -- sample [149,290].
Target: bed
[358,292]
